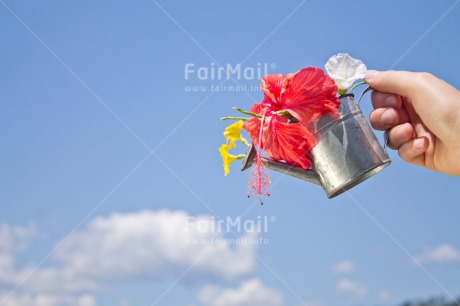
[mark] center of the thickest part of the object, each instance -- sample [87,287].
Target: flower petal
[233,133]
[289,142]
[264,107]
[273,86]
[228,158]
[252,126]
[345,70]
[310,95]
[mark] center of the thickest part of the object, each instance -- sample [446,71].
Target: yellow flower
[233,133]
[228,158]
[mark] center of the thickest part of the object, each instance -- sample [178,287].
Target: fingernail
[370,75]
[389,117]
[391,101]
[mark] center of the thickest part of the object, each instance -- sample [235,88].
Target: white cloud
[125,302]
[46,300]
[6,266]
[12,239]
[250,293]
[31,278]
[351,289]
[384,296]
[154,245]
[444,253]
[146,246]
[314,303]
[53,280]
[344,267]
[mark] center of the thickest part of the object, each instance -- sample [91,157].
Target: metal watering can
[347,152]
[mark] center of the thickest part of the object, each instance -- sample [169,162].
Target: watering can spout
[298,172]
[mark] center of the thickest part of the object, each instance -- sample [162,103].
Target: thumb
[395,82]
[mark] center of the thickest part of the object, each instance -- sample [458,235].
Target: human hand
[423,115]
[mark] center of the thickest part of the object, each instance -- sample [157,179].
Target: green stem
[247,113]
[356,85]
[234,118]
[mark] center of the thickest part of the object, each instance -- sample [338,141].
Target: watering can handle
[369,88]
[386,135]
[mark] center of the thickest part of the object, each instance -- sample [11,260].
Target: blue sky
[110,169]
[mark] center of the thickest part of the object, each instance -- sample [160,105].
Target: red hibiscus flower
[291,103]
[281,140]
[307,95]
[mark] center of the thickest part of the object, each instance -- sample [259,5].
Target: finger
[386,118]
[413,151]
[400,134]
[396,82]
[382,100]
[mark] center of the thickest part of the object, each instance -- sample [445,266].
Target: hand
[423,115]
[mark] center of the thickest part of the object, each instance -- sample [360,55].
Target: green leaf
[247,113]
[234,118]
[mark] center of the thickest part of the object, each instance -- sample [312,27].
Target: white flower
[345,70]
